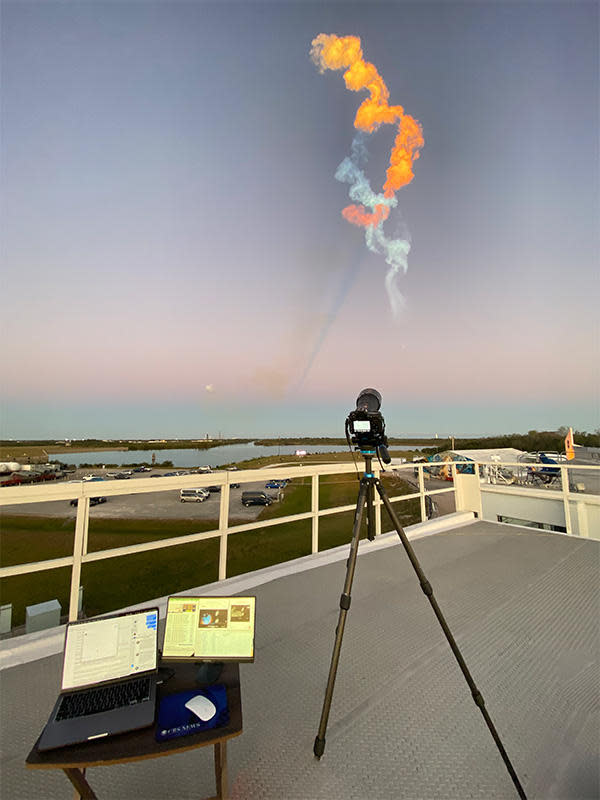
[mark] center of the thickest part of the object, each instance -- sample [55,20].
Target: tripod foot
[319,747]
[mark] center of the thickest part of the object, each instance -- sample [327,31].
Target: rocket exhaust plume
[370,209]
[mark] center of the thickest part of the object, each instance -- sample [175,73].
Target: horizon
[415,437]
[177,254]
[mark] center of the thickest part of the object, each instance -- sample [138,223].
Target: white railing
[575,486]
[83,491]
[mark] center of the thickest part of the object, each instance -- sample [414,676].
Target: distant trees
[530,441]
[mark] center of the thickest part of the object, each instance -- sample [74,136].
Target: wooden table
[139,745]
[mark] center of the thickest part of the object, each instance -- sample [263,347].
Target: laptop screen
[210,629]
[114,647]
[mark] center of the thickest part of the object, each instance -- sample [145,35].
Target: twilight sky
[171,220]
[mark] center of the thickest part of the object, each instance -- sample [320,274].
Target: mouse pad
[174,719]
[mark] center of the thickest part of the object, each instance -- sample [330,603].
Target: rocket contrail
[370,209]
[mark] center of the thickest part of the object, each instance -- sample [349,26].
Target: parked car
[94,501]
[256,499]
[235,485]
[193,495]
[14,480]
[275,484]
[214,488]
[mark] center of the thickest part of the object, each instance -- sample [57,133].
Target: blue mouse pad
[174,719]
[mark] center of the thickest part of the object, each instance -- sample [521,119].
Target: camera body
[365,425]
[366,429]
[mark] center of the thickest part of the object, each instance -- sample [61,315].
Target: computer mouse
[202,707]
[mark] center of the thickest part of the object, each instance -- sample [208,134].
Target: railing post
[422,492]
[564,479]
[223,529]
[81,528]
[453,476]
[476,471]
[314,508]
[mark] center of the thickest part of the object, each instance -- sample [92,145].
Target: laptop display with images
[110,648]
[108,682]
[209,629]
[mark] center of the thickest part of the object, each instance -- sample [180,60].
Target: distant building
[488,455]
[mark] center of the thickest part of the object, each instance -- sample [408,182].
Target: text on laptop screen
[210,628]
[111,648]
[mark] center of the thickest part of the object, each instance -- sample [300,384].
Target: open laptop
[110,668]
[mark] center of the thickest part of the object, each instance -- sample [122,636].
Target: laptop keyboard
[104,698]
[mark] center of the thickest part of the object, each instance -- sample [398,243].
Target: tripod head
[365,426]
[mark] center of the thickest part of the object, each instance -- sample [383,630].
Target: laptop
[109,676]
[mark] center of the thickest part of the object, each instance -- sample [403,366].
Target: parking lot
[151,505]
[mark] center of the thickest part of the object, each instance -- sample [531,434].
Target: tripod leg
[319,745]
[370,512]
[428,591]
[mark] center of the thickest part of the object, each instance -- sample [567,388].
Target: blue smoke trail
[395,250]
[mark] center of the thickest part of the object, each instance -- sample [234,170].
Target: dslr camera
[365,426]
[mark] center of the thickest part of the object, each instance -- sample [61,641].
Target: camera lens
[368,400]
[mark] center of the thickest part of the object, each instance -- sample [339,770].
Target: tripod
[368,484]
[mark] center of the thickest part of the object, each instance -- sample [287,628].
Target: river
[213,456]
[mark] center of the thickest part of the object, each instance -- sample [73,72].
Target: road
[443,503]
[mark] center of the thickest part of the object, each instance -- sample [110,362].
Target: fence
[466,488]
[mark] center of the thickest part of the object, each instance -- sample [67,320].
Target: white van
[193,495]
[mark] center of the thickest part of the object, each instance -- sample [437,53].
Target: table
[141,744]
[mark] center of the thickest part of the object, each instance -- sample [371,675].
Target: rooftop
[522,605]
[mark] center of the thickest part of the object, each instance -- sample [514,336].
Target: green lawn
[118,582]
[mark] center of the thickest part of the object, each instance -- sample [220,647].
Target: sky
[174,258]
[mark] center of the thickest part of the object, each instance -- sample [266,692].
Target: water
[214,456]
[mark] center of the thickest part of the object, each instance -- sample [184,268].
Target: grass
[125,580]
[343,457]
[24,453]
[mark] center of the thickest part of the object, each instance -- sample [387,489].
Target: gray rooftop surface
[523,607]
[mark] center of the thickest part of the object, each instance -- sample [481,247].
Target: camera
[365,425]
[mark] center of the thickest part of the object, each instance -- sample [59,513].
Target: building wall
[585,517]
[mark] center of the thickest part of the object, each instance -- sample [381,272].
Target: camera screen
[361,426]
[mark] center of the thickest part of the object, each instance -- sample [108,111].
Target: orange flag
[570,445]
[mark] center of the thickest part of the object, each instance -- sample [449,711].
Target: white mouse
[202,707]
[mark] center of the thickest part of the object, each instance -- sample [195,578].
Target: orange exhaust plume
[344,52]
[371,209]
[358,216]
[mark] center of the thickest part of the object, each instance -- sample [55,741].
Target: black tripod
[365,496]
